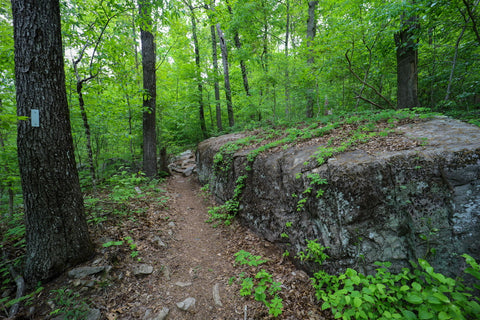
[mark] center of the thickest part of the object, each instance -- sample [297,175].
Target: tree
[407,62]
[150,90]
[56,229]
[216,85]
[311,31]
[226,75]
[198,77]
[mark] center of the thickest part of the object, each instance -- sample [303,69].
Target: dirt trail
[204,256]
[190,259]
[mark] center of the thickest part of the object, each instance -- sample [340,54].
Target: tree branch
[365,83]
[472,17]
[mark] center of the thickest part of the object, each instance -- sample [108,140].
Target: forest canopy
[282,56]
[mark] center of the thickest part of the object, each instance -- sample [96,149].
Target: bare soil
[190,258]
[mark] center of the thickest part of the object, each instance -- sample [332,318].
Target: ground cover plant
[415,293]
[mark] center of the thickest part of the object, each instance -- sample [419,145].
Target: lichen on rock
[414,194]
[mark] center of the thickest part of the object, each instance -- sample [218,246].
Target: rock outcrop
[377,205]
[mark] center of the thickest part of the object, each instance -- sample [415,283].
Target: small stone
[171,224]
[142,269]
[82,272]
[188,171]
[93,314]
[166,272]
[158,241]
[216,295]
[186,304]
[162,315]
[183,284]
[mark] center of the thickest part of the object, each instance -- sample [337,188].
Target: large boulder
[378,204]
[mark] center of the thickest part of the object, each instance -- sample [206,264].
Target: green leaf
[423,313]
[409,315]
[357,302]
[433,300]
[440,296]
[414,298]
[368,298]
[416,286]
[443,316]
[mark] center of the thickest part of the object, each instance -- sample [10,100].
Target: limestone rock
[378,205]
[216,295]
[183,284]
[82,272]
[142,269]
[162,315]
[186,304]
[184,163]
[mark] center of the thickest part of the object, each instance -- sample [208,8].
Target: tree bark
[201,112]
[218,109]
[216,85]
[56,229]
[228,92]
[470,11]
[150,90]
[454,63]
[287,76]
[311,31]
[407,65]
[243,66]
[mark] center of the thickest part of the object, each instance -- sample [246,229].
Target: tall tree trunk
[198,78]
[218,109]
[86,126]
[216,85]
[56,228]
[226,74]
[454,63]
[150,90]
[407,64]
[287,76]
[243,66]
[311,31]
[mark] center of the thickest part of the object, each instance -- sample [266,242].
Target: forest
[230,65]
[279,71]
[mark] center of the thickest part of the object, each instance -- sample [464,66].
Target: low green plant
[226,213]
[133,247]
[69,304]
[123,185]
[129,241]
[416,293]
[262,286]
[243,257]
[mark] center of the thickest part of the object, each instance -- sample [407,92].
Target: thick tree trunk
[226,74]
[407,65]
[311,31]
[150,90]
[56,229]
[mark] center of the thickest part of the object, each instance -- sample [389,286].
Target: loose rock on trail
[184,269]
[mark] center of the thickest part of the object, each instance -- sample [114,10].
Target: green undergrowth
[415,293]
[260,285]
[357,128]
[118,197]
